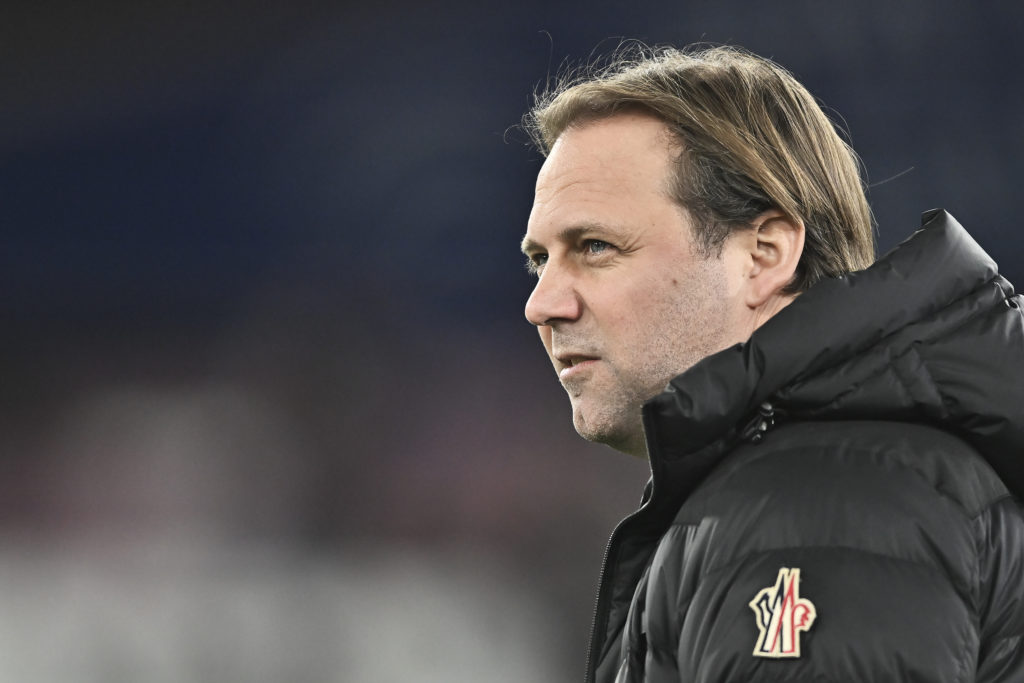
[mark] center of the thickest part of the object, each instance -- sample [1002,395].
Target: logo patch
[781,615]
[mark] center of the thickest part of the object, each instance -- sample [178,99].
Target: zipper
[595,632]
[589,675]
[600,599]
[754,432]
[760,424]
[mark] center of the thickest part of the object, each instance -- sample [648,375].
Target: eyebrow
[569,234]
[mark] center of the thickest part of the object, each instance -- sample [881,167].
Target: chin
[610,431]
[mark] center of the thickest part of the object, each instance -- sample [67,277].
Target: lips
[573,364]
[571,359]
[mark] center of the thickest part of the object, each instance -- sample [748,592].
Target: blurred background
[269,409]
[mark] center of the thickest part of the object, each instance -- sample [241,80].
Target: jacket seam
[817,372]
[969,514]
[847,548]
[931,567]
[992,503]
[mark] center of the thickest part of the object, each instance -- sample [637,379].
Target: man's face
[623,302]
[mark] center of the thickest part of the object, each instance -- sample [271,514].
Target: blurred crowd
[270,409]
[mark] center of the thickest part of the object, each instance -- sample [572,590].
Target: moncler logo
[781,615]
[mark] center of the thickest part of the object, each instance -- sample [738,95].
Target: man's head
[685,199]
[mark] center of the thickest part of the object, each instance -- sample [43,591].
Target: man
[838,458]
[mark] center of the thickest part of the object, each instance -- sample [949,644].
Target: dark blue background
[308,218]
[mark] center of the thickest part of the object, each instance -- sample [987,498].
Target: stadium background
[269,409]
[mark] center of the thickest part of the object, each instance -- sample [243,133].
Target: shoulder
[883,464]
[882,490]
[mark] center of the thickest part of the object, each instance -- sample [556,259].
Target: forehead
[603,170]
[633,146]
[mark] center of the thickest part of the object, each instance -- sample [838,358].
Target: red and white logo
[781,616]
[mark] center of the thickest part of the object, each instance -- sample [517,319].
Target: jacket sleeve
[1001,572]
[843,562]
[828,615]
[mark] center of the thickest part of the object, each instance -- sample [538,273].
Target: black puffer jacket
[838,498]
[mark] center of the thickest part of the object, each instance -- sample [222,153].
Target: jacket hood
[930,333]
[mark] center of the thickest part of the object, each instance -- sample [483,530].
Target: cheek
[545,337]
[653,319]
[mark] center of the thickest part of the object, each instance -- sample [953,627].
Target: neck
[770,308]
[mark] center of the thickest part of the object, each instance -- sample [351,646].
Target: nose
[555,297]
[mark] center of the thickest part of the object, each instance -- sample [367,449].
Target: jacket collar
[929,333]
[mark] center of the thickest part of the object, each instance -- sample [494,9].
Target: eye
[596,246]
[535,263]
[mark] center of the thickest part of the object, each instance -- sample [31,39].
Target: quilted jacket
[839,498]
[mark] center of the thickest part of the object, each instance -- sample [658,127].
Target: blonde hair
[751,138]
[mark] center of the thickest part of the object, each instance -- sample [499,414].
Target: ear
[775,249]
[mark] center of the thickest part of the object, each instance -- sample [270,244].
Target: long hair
[749,138]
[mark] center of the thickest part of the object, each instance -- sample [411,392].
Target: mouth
[571,359]
[569,364]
